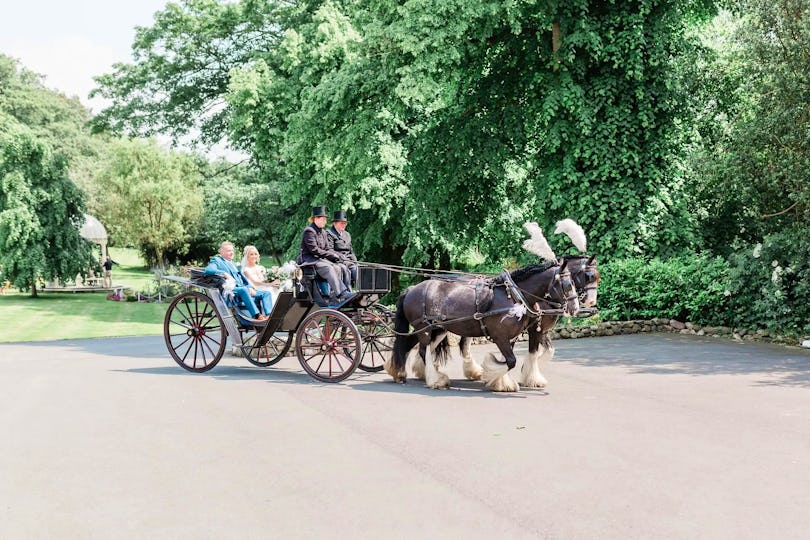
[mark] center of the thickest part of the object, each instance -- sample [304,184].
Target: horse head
[548,286]
[586,277]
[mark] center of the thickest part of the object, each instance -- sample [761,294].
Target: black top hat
[318,211]
[340,215]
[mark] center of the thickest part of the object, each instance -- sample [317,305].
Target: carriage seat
[311,276]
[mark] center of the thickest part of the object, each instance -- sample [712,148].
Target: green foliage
[182,68]
[49,116]
[151,197]
[770,284]
[240,208]
[41,211]
[687,288]
[753,152]
[439,126]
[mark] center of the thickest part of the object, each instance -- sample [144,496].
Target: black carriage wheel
[271,352]
[328,345]
[377,333]
[194,333]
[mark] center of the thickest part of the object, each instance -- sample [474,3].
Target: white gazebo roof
[93,230]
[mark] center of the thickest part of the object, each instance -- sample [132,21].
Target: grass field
[53,316]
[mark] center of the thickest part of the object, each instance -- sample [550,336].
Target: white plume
[537,244]
[574,232]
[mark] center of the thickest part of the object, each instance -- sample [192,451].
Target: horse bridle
[561,275]
[587,278]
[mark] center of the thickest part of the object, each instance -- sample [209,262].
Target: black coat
[341,243]
[315,246]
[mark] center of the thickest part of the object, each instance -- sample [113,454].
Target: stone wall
[613,328]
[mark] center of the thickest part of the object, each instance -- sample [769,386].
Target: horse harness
[484,294]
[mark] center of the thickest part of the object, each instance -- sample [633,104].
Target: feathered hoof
[535,380]
[442,382]
[496,376]
[473,371]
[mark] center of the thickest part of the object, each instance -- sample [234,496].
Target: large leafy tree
[152,196]
[41,211]
[53,118]
[440,126]
[445,126]
[754,154]
[181,70]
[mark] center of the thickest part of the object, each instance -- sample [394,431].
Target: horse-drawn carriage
[330,342]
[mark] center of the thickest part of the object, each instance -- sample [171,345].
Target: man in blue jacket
[222,265]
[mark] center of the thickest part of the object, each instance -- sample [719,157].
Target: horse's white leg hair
[434,378]
[545,358]
[531,376]
[418,367]
[496,376]
[472,370]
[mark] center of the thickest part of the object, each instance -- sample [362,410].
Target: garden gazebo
[94,231]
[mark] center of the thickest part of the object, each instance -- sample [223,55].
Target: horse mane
[523,273]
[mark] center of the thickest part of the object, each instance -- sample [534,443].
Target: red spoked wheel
[377,333]
[194,333]
[328,345]
[271,352]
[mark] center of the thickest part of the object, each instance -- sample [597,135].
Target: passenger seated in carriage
[222,265]
[315,252]
[256,274]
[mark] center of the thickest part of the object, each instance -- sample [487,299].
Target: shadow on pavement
[691,355]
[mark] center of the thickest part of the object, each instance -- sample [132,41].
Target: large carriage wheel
[377,332]
[194,333]
[328,345]
[271,352]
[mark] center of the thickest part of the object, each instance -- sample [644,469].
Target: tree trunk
[33,287]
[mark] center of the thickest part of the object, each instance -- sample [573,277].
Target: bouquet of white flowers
[283,274]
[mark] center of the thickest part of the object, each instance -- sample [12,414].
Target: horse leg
[418,362]
[472,369]
[403,343]
[418,366]
[434,378]
[531,377]
[496,374]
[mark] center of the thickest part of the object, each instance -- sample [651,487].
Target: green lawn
[53,316]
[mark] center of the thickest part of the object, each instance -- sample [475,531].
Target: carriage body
[330,342]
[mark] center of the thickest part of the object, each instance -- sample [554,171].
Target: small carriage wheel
[271,352]
[377,332]
[194,333]
[328,345]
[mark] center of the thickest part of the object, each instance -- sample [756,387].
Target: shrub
[770,283]
[687,288]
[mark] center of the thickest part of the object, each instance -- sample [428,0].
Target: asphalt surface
[645,436]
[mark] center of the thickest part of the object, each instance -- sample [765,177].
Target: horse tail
[404,341]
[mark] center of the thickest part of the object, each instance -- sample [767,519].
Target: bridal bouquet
[283,274]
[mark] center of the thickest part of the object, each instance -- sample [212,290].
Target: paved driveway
[646,436]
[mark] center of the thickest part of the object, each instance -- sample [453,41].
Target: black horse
[586,277]
[499,308]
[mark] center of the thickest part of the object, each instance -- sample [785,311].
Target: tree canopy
[41,211]
[441,127]
[151,197]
